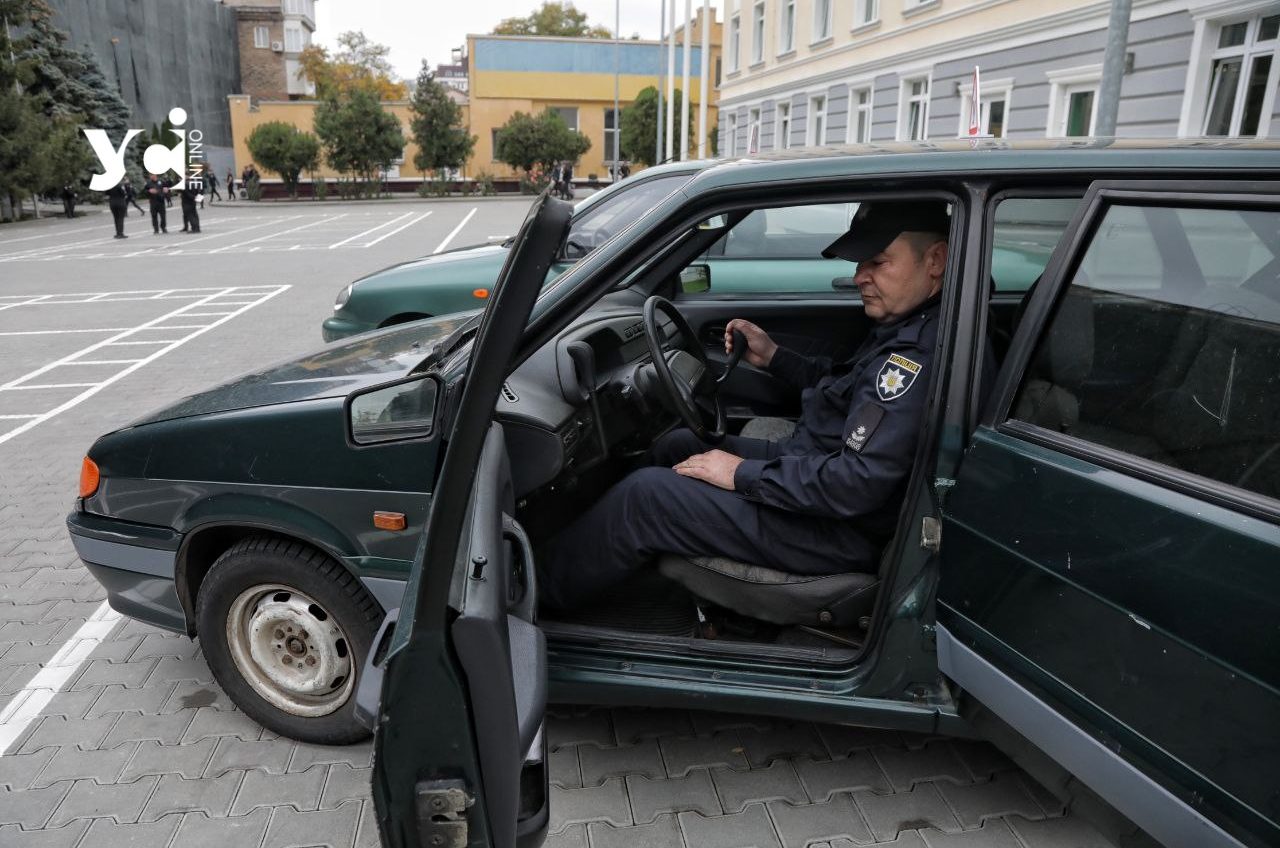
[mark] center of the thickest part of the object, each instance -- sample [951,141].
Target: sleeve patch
[896,376]
[864,427]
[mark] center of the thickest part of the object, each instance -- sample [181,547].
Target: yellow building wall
[245,117]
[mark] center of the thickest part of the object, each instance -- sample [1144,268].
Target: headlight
[343,297]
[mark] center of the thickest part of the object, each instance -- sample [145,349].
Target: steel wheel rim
[290,650]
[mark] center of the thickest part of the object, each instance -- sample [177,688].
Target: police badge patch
[896,376]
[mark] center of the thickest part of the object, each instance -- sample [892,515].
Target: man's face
[898,279]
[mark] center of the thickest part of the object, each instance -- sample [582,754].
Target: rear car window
[1166,345]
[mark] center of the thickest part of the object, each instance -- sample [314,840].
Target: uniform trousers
[654,510]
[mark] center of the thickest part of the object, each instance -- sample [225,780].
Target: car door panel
[457,744]
[1140,607]
[831,327]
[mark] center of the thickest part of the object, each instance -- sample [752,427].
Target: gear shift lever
[739,348]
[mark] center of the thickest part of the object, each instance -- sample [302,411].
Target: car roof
[1203,158]
[689,167]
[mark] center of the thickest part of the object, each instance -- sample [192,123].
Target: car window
[788,232]
[609,217]
[1165,345]
[1027,230]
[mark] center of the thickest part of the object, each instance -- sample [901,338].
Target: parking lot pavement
[113,733]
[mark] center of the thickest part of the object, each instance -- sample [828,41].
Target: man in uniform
[156,191]
[824,501]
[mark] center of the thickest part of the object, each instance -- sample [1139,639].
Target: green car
[773,247]
[1085,563]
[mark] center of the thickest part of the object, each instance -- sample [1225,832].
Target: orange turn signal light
[480,293]
[89,477]
[389,520]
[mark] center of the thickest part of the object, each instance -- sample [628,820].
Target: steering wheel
[683,372]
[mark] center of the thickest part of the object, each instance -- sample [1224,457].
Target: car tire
[285,630]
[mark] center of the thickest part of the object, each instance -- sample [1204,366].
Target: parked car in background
[771,249]
[1083,567]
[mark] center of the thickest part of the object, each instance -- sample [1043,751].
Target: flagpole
[688,52]
[705,66]
[671,85]
[662,34]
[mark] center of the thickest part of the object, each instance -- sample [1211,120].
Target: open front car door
[458,744]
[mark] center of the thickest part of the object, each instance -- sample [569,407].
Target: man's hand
[760,348]
[715,467]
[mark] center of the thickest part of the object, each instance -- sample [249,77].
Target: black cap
[876,225]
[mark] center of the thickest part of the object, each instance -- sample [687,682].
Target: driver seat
[778,597]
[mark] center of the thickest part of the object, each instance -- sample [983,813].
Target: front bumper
[337,327]
[135,563]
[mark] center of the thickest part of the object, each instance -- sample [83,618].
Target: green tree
[553,18]
[358,63]
[526,141]
[640,125]
[285,149]
[436,127]
[359,137]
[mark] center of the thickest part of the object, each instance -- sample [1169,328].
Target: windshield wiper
[451,343]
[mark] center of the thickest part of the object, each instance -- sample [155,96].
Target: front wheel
[285,629]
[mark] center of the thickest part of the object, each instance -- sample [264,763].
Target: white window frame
[608,132]
[855,109]
[577,115]
[757,32]
[1210,18]
[992,90]
[781,114]
[297,32]
[815,120]
[735,39]
[1062,84]
[786,35]
[822,24]
[905,99]
[731,136]
[754,126]
[865,13]
[261,37]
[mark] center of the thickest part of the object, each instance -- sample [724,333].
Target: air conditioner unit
[277,46]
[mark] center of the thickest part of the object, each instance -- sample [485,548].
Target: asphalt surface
[113,733]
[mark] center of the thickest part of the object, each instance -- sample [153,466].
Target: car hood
[479,254]
[333,371]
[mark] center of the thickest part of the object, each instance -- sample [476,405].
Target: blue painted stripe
[578,57]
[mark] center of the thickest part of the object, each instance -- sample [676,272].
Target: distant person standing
[118,201]
[156,192]
[131,195]
[231,185]
[190,215]
[69,200]
[211,185]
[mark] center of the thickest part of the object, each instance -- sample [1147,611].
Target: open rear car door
[458,743]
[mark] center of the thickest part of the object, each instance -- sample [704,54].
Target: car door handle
[526,606]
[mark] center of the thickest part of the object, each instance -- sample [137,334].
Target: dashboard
[590,394]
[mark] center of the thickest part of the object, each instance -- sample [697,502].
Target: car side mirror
[695,279]
[843,284]
[403,410]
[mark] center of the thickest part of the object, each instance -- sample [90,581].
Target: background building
[163,54]
[575,76]
[272,35]
[815,72]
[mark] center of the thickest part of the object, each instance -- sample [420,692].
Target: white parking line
[370,230]
[281,233]
[397,229]
[118,339]
[456,230]
[39,691]
[60,332]
[53,231]
[4,306]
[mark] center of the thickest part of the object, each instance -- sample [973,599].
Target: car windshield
[606,219]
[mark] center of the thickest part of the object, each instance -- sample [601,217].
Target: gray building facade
[1194,68]
[162,54]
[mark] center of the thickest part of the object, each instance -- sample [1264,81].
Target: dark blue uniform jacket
[853,449]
